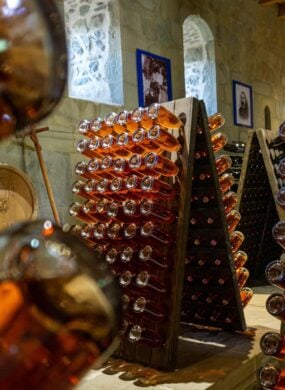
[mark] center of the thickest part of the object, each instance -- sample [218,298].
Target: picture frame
[242,104]
[153,77]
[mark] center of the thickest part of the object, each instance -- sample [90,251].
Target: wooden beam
[281,11]
[270,2]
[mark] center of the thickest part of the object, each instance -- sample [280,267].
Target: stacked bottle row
[210,295]
[272,344]
[258,211]
[128,211]
[276,149]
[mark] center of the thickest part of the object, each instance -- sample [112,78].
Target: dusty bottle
[219,140]
[49,283]
[271,377]
[216,121]
[275,273]
[273,344]
[223,162]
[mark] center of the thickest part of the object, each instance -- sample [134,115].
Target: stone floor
[207,360]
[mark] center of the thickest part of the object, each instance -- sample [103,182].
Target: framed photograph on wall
[154,78]
[242,104]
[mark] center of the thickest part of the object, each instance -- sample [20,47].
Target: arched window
[94,47]
[267,118]
[199,62]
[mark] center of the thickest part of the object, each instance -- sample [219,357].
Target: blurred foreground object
[33,62]
[60,308]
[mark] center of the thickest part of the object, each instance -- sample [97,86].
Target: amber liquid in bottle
[163,116]
[216,121]
[161,165]
[232,218]
[236,239]
[226,181]
[242,276]
[219,140]
[223,163]
[163,139]
[239,258]
[230,200]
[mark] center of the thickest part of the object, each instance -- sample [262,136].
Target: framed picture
[242,104]
[154,78]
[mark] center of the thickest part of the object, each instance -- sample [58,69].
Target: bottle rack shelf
[256,202]
[159,335]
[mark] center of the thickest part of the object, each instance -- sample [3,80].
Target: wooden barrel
[18,199]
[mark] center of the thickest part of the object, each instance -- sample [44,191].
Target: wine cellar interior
[142,194]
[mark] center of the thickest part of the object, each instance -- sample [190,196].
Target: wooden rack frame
[194,135]
[260,246]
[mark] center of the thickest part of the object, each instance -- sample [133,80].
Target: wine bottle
[149,254]
[216,121]
[275,305]
[271,377]
[223,162]
[280,198]
[273,344]
[152,282]
[281,168]
[275,273]
[242,275]
[149,229]
[226,181]
[230,200]
[161,165]
[82,147]
[138,334]
[155,212]
[239,258]
[163,139]
[232,218]
[246,294]
[278,233]
[236,239]
[84,128]
[163,117]
[141,305]
[219,140]
[76,210]
[78,188]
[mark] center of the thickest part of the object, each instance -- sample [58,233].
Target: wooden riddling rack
[174,277]
[257,204]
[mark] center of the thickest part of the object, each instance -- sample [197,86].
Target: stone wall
[249,44]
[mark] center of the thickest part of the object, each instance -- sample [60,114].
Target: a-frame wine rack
[257,203]
[196,138]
